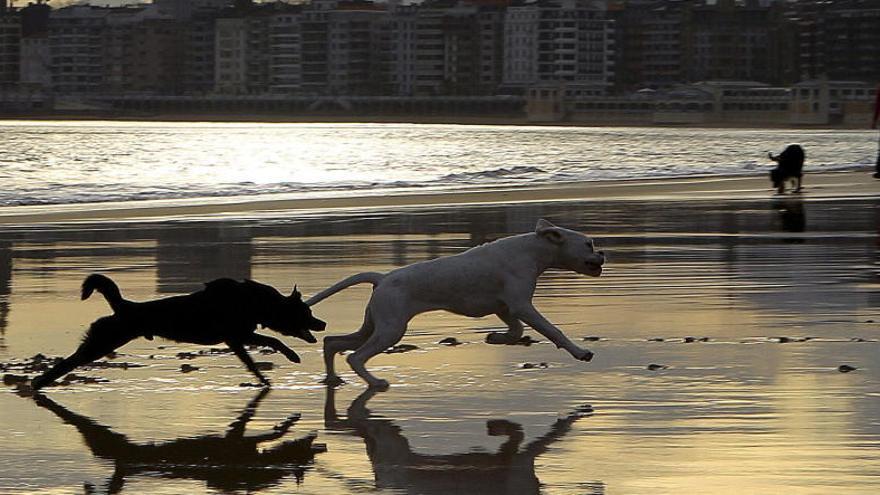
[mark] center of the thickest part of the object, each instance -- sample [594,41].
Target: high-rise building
[76,43]
[731,41]
[838,40]
[10,46]
[230,51]
[355,54]
[35,54]
[663,43]
[142,51]
[420,53]
[285,52]
[652,37]
[560,42]
[490,16]
[520,46]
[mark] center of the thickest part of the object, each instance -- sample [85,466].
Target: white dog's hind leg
[334,344]
[511,336]
[537,321]
[385,335]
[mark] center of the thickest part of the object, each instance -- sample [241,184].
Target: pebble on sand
[655,339]
[657,367]
[592,338]
[10,379]
[845,368]
[450,341]
[188,368]
[532,366]
[401,348]
[264,365]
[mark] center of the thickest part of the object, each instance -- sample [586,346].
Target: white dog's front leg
[511,336]
[536,320]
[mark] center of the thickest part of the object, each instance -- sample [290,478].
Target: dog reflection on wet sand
[229,462]
[510,470]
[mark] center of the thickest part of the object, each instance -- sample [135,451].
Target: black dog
[791,165]
[224,311]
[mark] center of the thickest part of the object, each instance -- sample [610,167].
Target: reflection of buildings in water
[398,250]
[226,463]
[5,287]
[510,470]
[189,256]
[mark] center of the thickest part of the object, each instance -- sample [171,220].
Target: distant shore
[393,119]
[829,185]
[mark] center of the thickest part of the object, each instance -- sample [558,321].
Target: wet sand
[818,186]
[783,289]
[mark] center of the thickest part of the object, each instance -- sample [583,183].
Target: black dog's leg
[242,354]
[103,337]
[262,340]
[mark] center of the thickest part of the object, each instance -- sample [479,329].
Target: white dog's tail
[371,277]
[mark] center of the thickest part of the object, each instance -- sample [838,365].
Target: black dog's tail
[106,287]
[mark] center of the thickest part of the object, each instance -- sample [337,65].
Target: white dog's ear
[549,231]
[543,223]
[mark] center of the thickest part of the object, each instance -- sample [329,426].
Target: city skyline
[506,56]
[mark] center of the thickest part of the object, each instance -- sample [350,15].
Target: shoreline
[817,186]
[500,120]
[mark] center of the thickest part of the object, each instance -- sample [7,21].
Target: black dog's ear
[295,294]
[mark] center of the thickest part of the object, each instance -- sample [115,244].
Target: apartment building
[575,44]
[419,49]
[839,39]
[314,26]
[520,46]
[198,52]
[142,51]
[76,43]
[731,41]
[553,43]
[230,50]
[34,60]
[490,20]
[10,46]
[356,52]
[285,48]
[652,38]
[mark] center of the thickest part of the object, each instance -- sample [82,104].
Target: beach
[719,327]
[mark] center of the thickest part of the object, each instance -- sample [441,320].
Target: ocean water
[46,162]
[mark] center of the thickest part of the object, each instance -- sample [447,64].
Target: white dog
[496,278]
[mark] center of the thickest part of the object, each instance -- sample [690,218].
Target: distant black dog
[791,165]
[224,311]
